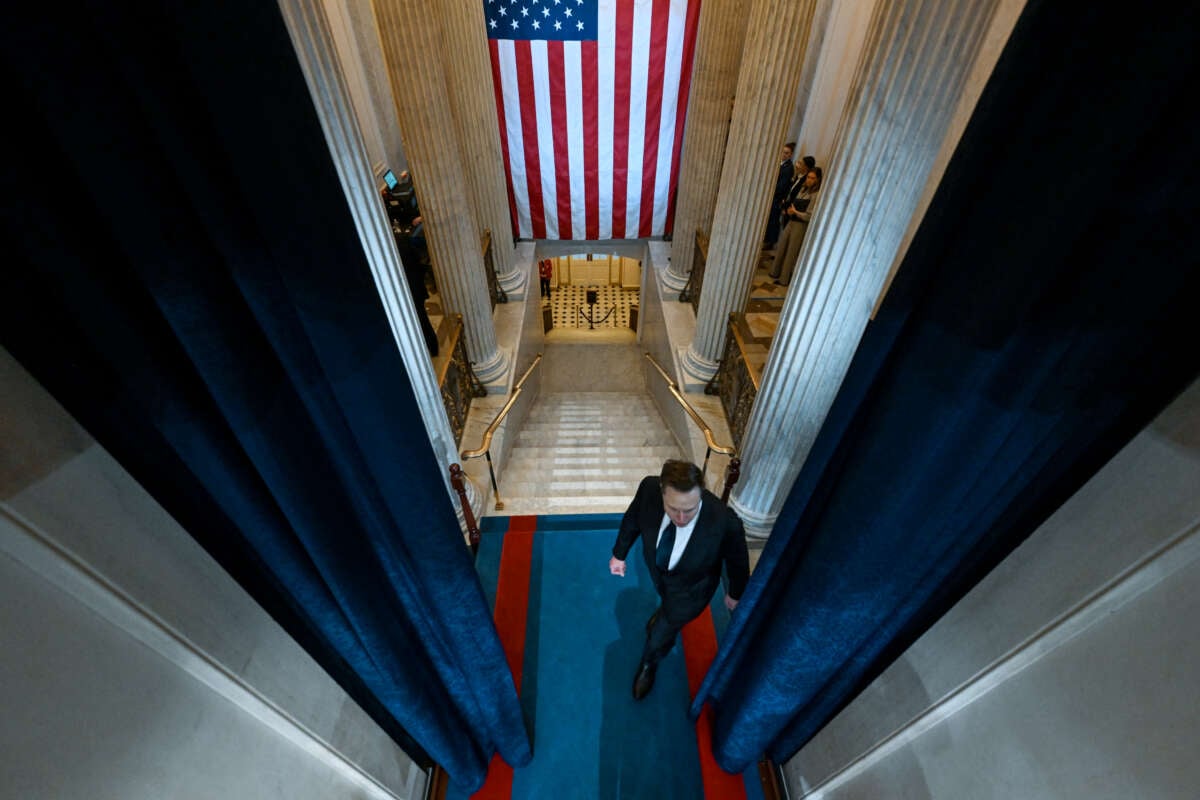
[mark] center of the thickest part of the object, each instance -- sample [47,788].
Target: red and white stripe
[592,131]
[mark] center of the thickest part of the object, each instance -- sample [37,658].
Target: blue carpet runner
[573,634]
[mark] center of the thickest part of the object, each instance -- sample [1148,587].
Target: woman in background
[798,213]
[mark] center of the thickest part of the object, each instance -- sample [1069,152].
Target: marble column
[776,35]
[311,37]
[473,103]
[719,41]
[412,45]
[917,58]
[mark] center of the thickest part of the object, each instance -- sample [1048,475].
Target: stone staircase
[584,453]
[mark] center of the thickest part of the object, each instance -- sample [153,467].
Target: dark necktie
[666,543]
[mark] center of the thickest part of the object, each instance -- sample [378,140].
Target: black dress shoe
[643,682]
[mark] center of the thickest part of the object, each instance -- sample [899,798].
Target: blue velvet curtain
[1044,314]
[183,273]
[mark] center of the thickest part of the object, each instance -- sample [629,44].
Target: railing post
[732,473]
[456,480]
[495,488]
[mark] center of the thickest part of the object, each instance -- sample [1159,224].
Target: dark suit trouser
[660,639]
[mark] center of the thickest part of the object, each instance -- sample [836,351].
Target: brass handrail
[456,331]
[485,446]
[711,445]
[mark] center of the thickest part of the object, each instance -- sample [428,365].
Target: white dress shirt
[682,536]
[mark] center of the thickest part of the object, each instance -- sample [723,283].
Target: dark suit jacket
[783,181]
[717,539]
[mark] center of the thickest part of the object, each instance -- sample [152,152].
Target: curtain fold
[1043,315]
[184,276]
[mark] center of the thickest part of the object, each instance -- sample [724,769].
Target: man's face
[681,507]
[787,154]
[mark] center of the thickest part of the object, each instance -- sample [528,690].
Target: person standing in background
[782,182]
[798,213]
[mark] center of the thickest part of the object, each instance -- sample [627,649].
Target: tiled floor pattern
[571,310]
[762,308]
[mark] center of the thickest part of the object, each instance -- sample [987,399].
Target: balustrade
[457,380]
[496,291]
[737,380]
[695,282]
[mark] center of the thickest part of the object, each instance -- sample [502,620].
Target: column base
[695,369]
[494,372]
[673,282]
[514,284]
[758,526]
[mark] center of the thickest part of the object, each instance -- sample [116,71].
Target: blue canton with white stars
[552,20]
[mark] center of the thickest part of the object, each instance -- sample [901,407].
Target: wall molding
[1141,576]
[29,546]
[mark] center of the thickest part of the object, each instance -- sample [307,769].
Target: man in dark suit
[687,535]
[782,182]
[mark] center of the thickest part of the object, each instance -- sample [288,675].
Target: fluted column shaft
[720,37]
[473,104]
[412,46]
[776,34]
[917,57]
[309,30]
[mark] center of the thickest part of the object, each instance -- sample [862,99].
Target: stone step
[556,488]
[600,426]
[539,459]
[594,428]
[577,421]
[577,418]
[567,505]
[620,410]
[607,440]
[584,453]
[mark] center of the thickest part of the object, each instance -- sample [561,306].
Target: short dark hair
[791,146]
[682,476]
[809,161]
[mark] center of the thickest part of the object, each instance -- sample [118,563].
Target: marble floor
[569,307]
[571,310]
[763,307]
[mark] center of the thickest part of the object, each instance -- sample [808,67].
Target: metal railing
[495,290]
[711,446]
[457,380]
[695,281]
[485,447]
[737,379]
[459,482]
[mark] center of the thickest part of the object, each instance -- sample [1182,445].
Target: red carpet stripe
[699,650]
[512,607]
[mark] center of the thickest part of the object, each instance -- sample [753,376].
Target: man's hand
[617,567]
[730,603]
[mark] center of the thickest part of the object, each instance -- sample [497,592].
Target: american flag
[591,97]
